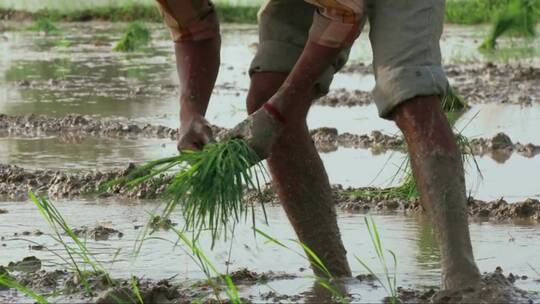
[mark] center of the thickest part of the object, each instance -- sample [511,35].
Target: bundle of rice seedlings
[209,184]
[136,36]
[517,18]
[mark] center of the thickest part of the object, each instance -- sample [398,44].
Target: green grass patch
[480,11]
[136,36]
[44,25]
[517,18]
[227,13]
[457,11]
[209,185]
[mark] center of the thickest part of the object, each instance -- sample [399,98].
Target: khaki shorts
[404,36]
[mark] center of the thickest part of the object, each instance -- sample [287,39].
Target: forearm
[197,65]
[313,62]
[194,29]
[331,33]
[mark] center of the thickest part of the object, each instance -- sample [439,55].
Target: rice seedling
[454,106]
[11,283]
[76,248]
[210,271]
[516,18]
[453,102]
[136,36]
[45,26]
[136,290]
[325,281]
[390,278]
[209,185]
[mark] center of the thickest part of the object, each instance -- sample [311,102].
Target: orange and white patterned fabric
[189,19]
[335,24]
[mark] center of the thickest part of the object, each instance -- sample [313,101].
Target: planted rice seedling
[209,185]
[326,281]
[76,249]
[453,102]
[390,278]
[136,36]
[210,271]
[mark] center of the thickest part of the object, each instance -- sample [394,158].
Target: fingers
[195,136]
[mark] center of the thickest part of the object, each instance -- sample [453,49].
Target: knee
[423,122]
[422,111]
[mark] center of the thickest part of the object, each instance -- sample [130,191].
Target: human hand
[194,134]
[260,130]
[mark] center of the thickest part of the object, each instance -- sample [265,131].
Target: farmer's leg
[410,80]
[297,170]
[195,30]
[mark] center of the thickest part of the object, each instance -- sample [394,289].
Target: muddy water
[411,238]
[41,75]
[81,153]
[77,73]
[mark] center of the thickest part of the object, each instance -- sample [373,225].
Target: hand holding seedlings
[209,185]
[260,130]
[194,134]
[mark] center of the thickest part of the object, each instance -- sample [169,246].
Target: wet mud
[495,287]
[500,147]
[475,83]
[15,182]
[102,289]
[79,125]
[98,233]
[382,200]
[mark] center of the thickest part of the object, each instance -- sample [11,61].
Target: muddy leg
[438,170]
[301,180]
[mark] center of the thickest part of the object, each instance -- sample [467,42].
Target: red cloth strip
[275,112]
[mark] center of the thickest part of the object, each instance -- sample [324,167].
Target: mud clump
[99,233]
[345,98]
[376,199]
[501,147]
[36,125]
[15,182]
[150,292]
[476,83]
[3,211]
[28,264]
[501,141]
[493,288]
[160,223]
[328,140]
[83,125]
[36,232]
[245,276]
[502,210]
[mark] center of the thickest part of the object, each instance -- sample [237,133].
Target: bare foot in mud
[494,288]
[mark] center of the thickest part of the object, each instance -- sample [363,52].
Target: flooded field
[76,73]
